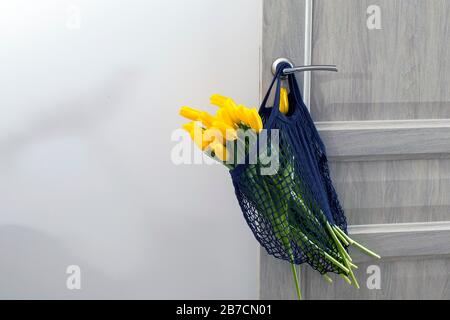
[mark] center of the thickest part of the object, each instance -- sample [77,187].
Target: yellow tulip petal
[213,134]
[224,116]
[284,102]
[250,119]
[241,114]
[206,119]
[197,135]
[201,142]
[188,127]
[232,112]
[218,100]
[230,103]
[190,113]
[256,122]
[222,101]
[228,132]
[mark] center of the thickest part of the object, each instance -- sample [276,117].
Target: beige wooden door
[385,119]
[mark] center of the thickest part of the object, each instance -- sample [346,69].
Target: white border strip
[308,52]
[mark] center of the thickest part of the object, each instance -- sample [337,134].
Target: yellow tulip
[232,113]
[241,114]
[190,113]
[228,104]
[248,117]
[197,115]
[219,129]
[197,135]
[224,116]
[228,132]
[251,118]
[204,142]
[217,100]
[255,120]
[284,102]
[206,119]
[222,101]
[214,135]
[188,127]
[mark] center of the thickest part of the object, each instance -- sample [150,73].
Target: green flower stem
[344,253]
[327,278]
[352,276]
[307,210]
[324,253]
[347,256]
[337,263]
[346,243]
[365,250]
[314,218]
[338,243]
[297,285]
[346,279]
[327,255]
[358,245]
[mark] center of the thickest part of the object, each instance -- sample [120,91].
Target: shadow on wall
[33,265]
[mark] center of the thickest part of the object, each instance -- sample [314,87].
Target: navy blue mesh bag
[295,213]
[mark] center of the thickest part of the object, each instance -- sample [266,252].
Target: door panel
[415,264]
[393,191]
[397,72]
[429,281]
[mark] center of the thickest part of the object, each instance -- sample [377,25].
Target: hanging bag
[295,213]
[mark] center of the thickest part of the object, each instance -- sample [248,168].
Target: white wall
[86,179]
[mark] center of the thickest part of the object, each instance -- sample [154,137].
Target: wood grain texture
[385,171]
[423,277]
[415,264]
[410,240]
[283,36]
[385,139]
[276,280]
[399,72]
[393,191]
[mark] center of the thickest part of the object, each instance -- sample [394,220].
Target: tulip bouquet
[217,135]
[279,208]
